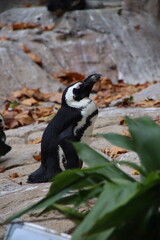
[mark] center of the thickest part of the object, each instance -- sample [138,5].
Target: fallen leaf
[2,25]
[44,111]
[22,25]
[147,103]
[115,151]
[3,39]
[14,175]
[35,58]
[2,169]
[45,97]
[49,27]
[68,77]
[30,102]
[35,141]
[135,172]
[46,118]
[24,119]
[25,49]
[122,121]
[9,119]
[25,92]
[37,156]
[56,97]
[27,5]
[137,27]
[125,133]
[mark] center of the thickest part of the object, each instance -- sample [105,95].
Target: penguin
[4,148]
[73,122]
[65,5]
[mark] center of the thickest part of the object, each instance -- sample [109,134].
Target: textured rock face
[116,43]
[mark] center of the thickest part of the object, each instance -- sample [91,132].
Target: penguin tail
[4,148]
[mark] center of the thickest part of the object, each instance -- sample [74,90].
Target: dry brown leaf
[9,119]
[44,111]
[108,92]
[135,172]
[68,77]
[148,103]
[121,121]
[22,25]
[30,102]
[25,49]
[42,96]
[2,25]
[35,58]
[25,92]
[37,156]
[27,5]
[46,118]
[2,169]
[56,97]
[49,27]
[125,133]
[14,175]
[3,39]
[137,27]
[115,151]
[36,141]
[24,119]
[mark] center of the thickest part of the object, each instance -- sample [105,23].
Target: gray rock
[99,40]
[37,15]
[16,194]
[18,70]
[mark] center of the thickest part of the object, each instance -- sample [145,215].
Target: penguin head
[77,94]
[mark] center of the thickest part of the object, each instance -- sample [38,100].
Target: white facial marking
[71,102]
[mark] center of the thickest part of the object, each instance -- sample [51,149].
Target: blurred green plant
[123,208]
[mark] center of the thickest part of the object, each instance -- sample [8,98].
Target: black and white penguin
[74,122]
[4,148]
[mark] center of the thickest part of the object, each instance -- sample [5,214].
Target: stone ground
[16,194]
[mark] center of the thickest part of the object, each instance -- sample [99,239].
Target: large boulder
[111,41]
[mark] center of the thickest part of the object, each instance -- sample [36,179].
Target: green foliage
[123,208]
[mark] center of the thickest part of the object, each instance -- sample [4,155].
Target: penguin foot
[40,176]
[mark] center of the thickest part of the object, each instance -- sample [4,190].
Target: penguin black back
[73,122]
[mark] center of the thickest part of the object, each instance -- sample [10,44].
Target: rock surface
[115,43]
[16,194]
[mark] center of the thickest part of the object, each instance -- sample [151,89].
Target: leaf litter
[26,105]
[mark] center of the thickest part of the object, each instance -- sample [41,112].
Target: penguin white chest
[84,127]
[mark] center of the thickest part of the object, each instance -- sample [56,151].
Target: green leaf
[93,159]
[119,140]
[126,210]
[70,213]
[112,197]
[78,197]
[146,136]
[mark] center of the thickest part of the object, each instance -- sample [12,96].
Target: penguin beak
[91,80]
